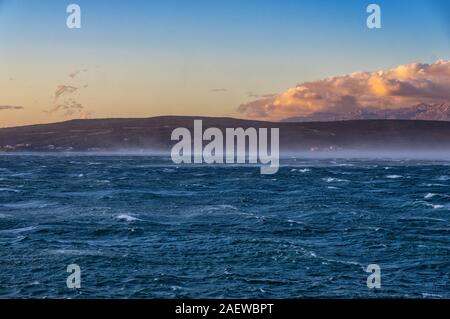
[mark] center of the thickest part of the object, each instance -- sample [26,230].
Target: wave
[312,254]
[394,176]
[429,195]
[18,230]
[432,296]
[438,185]
[432,195]
[227,206]
[27,205]
[290,221]
[434,206]
[423,219]
[127,218]
[11,190]
[104,181]
[21,174]
[334,179]
[76,252]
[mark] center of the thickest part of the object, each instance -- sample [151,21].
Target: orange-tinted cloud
[402,86]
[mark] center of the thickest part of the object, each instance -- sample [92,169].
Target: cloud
[63,90]
[10,107]
[259,96]
[74,74]
[65,103]
[218,90]
[68,108]
[402,86]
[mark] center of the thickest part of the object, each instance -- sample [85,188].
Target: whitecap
[127,218]
[434,206]
[429,195]
[9,190]
[329,260]
[295,222]
[304,170]
[429,295]
[103,181]
[394,176]
[437,185]
[333,179]
[18,230]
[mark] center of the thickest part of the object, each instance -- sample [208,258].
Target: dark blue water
[142,227]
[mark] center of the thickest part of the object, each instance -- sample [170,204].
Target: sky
[196,57]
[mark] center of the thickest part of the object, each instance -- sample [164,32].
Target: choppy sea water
[143,227]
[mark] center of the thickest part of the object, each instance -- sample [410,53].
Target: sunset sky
[216,58]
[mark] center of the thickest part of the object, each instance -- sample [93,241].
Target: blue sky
[164,57]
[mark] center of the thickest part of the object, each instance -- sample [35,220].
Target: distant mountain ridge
[154,135]
[423,111]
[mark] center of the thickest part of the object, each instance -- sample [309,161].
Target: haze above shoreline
[286,158]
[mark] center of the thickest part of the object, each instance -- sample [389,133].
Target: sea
[140,226]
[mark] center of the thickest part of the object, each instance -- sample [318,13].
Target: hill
[153,134]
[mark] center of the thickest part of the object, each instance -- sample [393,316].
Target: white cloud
[402,86]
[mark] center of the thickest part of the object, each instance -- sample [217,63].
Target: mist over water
[143,227]
[285,154]
[381,154]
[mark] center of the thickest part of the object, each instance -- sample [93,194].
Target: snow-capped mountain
[422,111]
